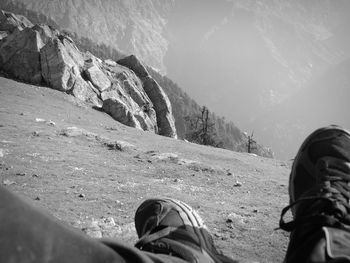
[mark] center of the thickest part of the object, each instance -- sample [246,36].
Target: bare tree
[251,143]
[201,129]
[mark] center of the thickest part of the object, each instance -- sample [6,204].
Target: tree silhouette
[251,143]
[202,129]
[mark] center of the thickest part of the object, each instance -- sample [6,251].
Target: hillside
[239,58]
[102,169]
[121,87]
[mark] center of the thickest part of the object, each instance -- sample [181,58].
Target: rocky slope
[40,54]
[134,27]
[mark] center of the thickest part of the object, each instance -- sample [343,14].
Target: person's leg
[28,234]
[171,227]
[319,190]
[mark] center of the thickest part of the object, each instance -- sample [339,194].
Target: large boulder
[20,55]
[84,91]
[133,63]
[46,32]
[160,101]
[98,78]
[61,63]
[72,50]
[130,83]
[162,106]
[10,22]
[124,109]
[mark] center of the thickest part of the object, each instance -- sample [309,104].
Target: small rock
[51,123]
[93,230]
[149,161]
[35,175]
[21,114]
[110,62]
[21,174]
[8,182]
[255,211]
[119,145]
[35,133]
[39,120]
[81,195]
[229,220]
[176,180]
[37,198]
[237,184]
[229,173]
[108,222]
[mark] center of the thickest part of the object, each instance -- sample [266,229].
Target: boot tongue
[172,219]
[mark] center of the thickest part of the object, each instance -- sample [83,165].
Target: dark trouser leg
[322,244]
[28,234]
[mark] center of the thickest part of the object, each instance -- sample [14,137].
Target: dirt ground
[92,173]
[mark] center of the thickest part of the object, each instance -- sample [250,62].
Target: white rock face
[59,70]
[84,91]
[98,78]
[162,106]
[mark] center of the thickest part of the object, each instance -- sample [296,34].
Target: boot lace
[333,189]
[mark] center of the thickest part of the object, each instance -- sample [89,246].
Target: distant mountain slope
[325,101]
[253,54]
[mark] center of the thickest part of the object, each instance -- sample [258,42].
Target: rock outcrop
[59,70]
[126,101]
[20,55]
[10,22]
[98,78]
[39,54]
[135,27]
[162,106]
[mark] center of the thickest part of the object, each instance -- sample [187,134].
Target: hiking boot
[168,226]
[319,190]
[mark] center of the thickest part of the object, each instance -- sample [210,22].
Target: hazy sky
[242,58]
